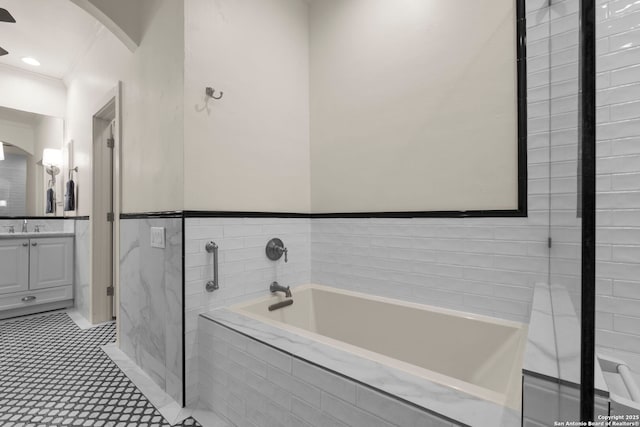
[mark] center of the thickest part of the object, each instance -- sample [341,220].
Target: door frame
[99,306]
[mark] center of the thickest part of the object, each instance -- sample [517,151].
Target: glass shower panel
[554,134]
[553,53]
[565,225]
[564,174]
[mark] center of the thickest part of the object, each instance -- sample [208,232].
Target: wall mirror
[33,168]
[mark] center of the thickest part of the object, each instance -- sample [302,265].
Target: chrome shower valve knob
[275,248]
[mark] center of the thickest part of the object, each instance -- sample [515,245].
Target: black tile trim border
[521,74]
[426,214]
[243,214]
[587,141]
[253,214]
[369,386]
[412,214]
[143,215]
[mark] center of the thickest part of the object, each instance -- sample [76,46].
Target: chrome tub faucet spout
[276,287]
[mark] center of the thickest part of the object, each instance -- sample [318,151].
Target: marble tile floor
[52,373]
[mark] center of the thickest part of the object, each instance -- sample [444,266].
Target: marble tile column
[151,300]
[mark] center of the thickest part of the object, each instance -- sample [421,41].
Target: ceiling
[55,32]
[21,117]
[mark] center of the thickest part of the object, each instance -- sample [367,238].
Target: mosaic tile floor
[52,373]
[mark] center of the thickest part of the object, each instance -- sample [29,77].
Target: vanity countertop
[33,235]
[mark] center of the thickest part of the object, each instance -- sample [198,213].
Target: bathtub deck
[447,402]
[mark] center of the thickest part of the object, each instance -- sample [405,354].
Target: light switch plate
[157,237]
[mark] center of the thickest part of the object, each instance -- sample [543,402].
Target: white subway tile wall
[252,385]
[485,266]
[245,272]
[618,197]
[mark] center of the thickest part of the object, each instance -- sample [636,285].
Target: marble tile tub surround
[244,270]
[151,300]
[82,268]
[283,383]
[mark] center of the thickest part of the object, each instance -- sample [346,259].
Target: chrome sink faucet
[276,287]
[24,226]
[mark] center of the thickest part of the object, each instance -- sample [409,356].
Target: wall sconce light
[1,150]
[52,160]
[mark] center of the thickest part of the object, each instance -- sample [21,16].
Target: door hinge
[549,242]
[110,217]
[110,291]
[111,142]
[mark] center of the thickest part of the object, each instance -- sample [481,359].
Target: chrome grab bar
[213,285]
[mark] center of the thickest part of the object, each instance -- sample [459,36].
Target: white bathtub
[476,355]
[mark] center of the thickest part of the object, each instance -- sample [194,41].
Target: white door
[102,222]
[51,262]
[14,265]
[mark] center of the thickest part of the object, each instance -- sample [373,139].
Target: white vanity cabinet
[14,265]
[35,272]
[50,262]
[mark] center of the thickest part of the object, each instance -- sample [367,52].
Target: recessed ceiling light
[31,61]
